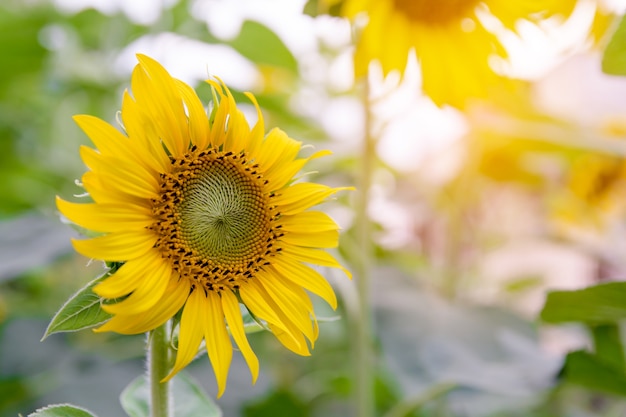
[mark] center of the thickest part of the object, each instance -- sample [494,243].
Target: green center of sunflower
[435,12]
[222,213]
[215,221]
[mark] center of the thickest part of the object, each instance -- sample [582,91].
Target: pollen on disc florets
[216,223]
[435,12]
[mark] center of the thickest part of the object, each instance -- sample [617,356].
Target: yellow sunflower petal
[130,275]
[198,120]
[315,257]
[255,298]
[292,340]
[172,300]
[303,195]
[146,294]
[305,277]
[316,328]
[279,177]
[308,222]
[157,95]
[121,175]
[116,247]
[235,324]
[218,127]
[111,142]
[237,133]
[218,344]
[509,13]
[238,129]
[258,131]
[394,55]
[371,45]
[107,139]
[105,217]
[323,239]
[102,193]
[293,303]
[277,149]
[140,130]
[192,325]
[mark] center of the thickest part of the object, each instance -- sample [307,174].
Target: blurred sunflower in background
[452,39]
[204,214]
[580,188]
[593,196]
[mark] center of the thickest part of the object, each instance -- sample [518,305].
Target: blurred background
[477,213]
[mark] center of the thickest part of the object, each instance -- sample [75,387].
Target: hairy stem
[158,368]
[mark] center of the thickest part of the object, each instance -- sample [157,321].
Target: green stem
[365,401]
[158,368]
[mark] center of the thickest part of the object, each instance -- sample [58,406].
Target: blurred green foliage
[190,400]
[614,58]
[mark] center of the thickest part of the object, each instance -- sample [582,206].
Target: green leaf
[15,390]
[608,345]
[81,311]
[282,402]
[316,7]
[614,59]
[600,304]
[62,410]
[583,368]
[19,34]
[311,8]
[135,398]
[189,399]
[262,46]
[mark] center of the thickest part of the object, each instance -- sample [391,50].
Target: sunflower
[592,196]
[448,36]
[204,214]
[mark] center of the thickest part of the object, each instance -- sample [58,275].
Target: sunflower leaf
[80,311]
[614,58]
[599,304]
[316,8]
[590,371]
[189,398]
[62,410]
[261,45]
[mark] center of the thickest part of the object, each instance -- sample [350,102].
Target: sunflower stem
[364,375]
[158,368]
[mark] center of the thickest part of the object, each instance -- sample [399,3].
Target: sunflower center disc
[439,12]
[223,215]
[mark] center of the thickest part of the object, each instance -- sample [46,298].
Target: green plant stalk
[158,368]
[364,376]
